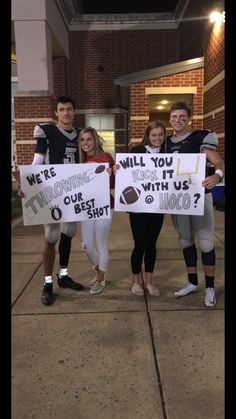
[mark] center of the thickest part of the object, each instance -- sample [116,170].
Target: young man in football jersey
[187,226]
[57,144]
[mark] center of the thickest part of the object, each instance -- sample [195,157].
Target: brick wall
[110,52]
[29,111]
[214,54]
[214,88]
[116,53]
[119,53]
[60,77]
[139,101]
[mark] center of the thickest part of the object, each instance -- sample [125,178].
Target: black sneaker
[47,294]
[67,282]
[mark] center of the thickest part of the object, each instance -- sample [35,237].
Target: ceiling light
[164,102]
[160,107]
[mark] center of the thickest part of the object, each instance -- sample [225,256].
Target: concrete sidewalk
[115,355]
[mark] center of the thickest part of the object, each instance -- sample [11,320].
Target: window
[105,126]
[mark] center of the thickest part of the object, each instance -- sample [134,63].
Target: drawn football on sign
[100,168]
[129,195]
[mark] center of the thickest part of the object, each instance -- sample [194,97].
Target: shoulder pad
[38,131]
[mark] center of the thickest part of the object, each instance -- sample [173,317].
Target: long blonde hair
[98,143]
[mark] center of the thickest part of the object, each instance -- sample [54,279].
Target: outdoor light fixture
[217,17]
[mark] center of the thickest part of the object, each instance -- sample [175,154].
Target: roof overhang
[156,73]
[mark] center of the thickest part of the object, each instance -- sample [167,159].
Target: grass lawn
[16,207]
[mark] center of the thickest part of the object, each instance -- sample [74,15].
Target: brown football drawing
[129,195]
[100,168]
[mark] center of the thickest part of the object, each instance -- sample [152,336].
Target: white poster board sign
[64,192]
[160,183]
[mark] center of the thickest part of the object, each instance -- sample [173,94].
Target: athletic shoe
[67,282]
[188,289]
[153,290]
[137,289]
[97,287]
[91,283]
[47,294]
[210,297]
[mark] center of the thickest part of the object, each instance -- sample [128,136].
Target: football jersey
[58,145]
[193,142]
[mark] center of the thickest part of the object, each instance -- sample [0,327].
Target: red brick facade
[28,111]
[97,58]
[139,101]
[118,52]
[214,89]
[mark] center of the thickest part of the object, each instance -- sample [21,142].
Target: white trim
[123,21]
[197,117]
[139,118]
[170,90]
[118,26]
[134,140]
[214,81]
[26,141]
[213,112]
[33,119]
[221,135]
[33,93]
[163,71]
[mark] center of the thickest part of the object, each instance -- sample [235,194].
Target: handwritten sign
[160,183]
[60,193]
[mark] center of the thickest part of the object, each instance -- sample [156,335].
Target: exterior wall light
[217,17]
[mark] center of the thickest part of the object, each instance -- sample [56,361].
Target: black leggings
[145,228]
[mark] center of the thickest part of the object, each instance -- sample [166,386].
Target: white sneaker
[137,289]
[189,288]
[210,297]
[97,287]
[91,283]
[153,290]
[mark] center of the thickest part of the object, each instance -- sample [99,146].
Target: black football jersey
[58,145]
[193,143]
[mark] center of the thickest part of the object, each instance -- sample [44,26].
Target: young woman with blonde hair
[94,233]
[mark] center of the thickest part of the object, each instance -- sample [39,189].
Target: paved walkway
[115,355]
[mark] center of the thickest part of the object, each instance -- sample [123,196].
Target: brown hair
[63,99]
[181,105]
[149,128]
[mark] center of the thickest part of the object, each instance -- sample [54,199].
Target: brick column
[30,108]
[139,113]
[214,85]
